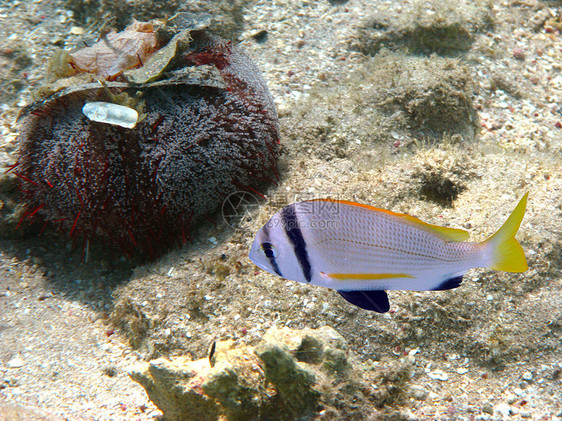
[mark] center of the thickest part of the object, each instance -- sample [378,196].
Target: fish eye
[268,250]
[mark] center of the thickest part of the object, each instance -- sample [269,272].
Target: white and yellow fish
[361,251]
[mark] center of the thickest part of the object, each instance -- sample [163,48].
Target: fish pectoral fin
[366,276]
[368,300]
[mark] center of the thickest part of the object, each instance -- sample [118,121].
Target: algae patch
[445,28]
[393,99]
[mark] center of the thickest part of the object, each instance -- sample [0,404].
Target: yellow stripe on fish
[366,276]
[362,251]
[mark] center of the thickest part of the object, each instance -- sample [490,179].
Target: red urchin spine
[248,188]
[24,178]
[11,167]
[74,224]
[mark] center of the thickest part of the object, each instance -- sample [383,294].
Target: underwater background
[448,111]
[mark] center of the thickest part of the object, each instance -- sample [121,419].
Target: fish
[362,251]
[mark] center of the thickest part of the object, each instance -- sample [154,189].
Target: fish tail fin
[506,253]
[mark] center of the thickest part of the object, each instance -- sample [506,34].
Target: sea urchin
[207,127]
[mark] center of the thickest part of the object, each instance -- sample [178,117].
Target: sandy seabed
[490,349]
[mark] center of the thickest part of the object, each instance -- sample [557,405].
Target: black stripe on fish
[267,249]
[294,233]
[270,254]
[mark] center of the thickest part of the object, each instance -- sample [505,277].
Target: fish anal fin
[449,283]
[368,300]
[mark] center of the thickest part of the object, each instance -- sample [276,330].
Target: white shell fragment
[109,113]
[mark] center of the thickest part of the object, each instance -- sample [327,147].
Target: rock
[293,381]
[528,376]
[418,392]
[313,346]
[391,382]
[511,399]
[503,409]
[488,409]
[288,375]
[76,30]
[527,414]
[15,362]
[438,375]
[439,177]
[174,387]
[539,18]
[398,98]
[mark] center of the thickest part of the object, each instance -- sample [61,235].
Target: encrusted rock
[289,375]
[175,387]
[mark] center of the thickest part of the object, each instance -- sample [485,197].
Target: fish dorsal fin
[447,234]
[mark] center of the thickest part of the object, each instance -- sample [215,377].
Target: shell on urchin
[141,189]
[110,113]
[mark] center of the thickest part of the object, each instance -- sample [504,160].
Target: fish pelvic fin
[507,254]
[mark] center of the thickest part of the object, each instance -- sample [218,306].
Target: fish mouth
[258,264]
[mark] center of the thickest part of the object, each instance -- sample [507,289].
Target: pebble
[511,399]
[433,396]
[488,409]
[438,375]
[503,409]
[519,54]
[518,391]
[76,30]
[528,376]
[110,113]
[418,392]
[15,362]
